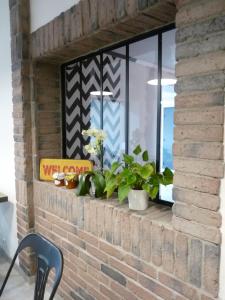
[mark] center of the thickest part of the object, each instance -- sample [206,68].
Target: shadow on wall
[8,241]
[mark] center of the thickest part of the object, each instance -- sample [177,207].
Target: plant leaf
[111,185]
[123,191]
[99,182]
[167,177]
[137,150]
[146,187]
[84,185]
[145,156]
[131,179]
[154,192]
[146,171]
[115,166]
[128,159]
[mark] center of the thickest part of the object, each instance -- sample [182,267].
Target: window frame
[157,32]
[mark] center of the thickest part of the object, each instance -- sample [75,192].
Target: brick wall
[110,252]
[21,63]
[113,253]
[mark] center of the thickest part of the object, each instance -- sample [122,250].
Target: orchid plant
[93,182]
[95,147]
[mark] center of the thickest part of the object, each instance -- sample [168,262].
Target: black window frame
[157,32]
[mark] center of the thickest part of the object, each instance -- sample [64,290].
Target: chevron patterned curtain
[84,109]
[73,111]
[113,107]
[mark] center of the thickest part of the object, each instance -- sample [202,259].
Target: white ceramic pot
[138,200]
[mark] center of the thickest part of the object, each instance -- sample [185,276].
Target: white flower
[90,149]
[101,135]
[84,133]
[97,133]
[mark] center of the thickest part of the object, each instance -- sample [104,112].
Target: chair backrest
[48,257]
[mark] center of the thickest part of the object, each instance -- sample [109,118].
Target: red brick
[97,253]
[90,260]
[155,287]
[88,238]
[181,257]
[157,232]
[125,231]
[211,265]
[117,226]
[111,250]
[140,291]
[135,237]
[168,251]
[195,12]
[201,231]
[179,286]
[123,268]
[145,236]
[123,292]
[140,265]
[108,293]
[198,183]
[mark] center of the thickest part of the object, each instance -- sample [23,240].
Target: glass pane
[114,75]
[167,107]
[72,111]
[143,71]
[91,96]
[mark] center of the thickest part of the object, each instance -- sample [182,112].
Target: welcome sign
[50,166]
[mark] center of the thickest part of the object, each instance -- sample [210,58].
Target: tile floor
[17,287]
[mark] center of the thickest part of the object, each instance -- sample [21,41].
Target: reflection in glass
[90,78]
[167,108]
[114,75]
[143,66]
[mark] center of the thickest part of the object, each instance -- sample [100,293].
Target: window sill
[156,213]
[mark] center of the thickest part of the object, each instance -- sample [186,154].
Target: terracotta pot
[71,184]
[59,182]
[138,200]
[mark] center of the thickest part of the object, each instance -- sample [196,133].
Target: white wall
[43,11]
[8,238]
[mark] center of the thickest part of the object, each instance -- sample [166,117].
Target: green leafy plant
[130,174]
[92,181]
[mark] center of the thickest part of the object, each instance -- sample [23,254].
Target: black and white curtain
[83,109]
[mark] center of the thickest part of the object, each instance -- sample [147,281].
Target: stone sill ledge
[156,213]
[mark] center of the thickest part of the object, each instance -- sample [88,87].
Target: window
[117,89]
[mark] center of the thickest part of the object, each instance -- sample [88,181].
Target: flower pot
[71,180]
[71,184]
[59,179]
[138,199]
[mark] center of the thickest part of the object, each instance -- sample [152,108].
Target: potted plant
[93,182]
[58,179]
[137,181]
[71,180]
[95,147]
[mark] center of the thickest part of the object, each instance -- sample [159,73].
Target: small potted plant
[136,181]
[95,147]
[71,180]
[59,179]
[93,182]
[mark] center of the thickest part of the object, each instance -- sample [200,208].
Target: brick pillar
[199,119]
[20,30]
[46,113]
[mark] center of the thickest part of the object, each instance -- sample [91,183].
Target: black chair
[48,257]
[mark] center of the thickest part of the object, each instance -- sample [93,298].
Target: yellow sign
[49,166]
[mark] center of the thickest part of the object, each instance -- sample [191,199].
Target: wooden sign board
[50,166]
